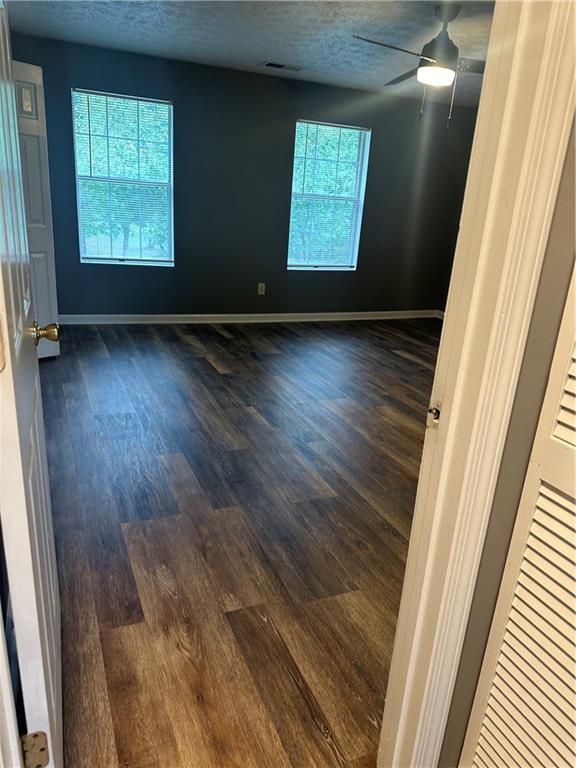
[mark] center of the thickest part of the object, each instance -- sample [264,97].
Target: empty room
[278,278]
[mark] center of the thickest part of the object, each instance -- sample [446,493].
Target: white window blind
[123,150]
[328,183]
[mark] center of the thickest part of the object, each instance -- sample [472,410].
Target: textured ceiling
[313,36]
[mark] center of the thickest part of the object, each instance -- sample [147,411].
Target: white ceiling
[314,36]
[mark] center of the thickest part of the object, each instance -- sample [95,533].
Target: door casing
[523,126]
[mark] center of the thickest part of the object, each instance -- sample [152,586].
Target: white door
[29,85]
[524,711]
[25,513]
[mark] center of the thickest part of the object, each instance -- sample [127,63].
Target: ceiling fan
[439,59]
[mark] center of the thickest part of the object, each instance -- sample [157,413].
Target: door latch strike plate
[433,415]
[35,749]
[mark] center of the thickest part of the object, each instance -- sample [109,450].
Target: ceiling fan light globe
[435,76]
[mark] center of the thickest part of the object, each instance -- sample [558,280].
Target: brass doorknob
[50,332]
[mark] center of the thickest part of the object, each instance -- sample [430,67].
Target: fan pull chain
[422,104]
[452,99]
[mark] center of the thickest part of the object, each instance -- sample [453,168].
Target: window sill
[128,263]
[320,269]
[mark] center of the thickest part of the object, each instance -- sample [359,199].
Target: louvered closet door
[525,707]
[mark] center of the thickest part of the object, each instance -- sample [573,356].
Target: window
[328,183]
[123,149]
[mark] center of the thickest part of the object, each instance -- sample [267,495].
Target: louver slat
[548,582]
[565,427]
[544,724]
[492,740]
[515,727]
[539,658]
[539,561]
[539,675]
[534,699]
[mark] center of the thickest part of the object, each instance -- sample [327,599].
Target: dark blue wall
[233,145]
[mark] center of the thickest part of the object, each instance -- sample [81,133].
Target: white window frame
[170,184]
[358,199]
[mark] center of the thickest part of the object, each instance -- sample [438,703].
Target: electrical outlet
[261,289]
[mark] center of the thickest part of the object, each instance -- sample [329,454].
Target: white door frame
[524,120]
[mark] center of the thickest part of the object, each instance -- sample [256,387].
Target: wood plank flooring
[232,507]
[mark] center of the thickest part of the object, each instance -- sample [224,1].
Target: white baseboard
[285,317]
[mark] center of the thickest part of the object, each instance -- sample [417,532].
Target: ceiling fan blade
[393,47]
[476,66]
[401,78]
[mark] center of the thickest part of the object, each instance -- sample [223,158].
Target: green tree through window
[123,149]
[328,182]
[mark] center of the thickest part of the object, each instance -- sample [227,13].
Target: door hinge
[35,749]
[433,414]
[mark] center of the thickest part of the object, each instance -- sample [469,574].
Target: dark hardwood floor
[232,506]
